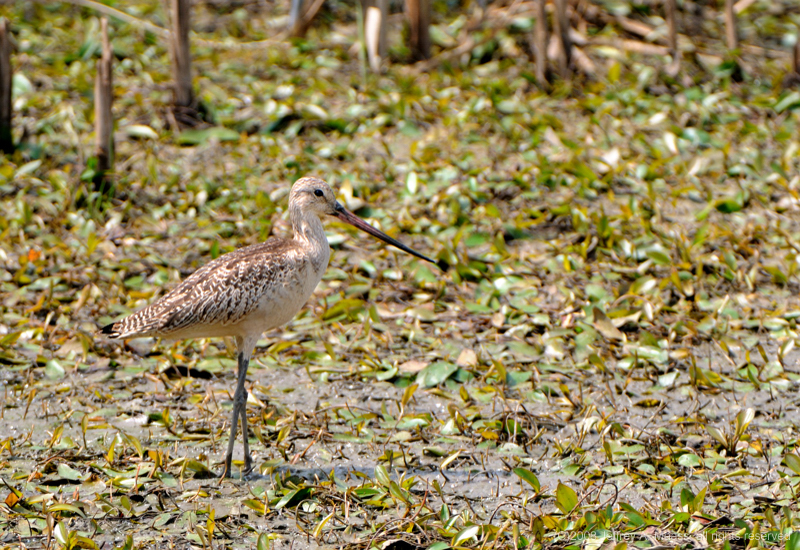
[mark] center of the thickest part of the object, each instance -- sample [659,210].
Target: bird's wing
[220,293]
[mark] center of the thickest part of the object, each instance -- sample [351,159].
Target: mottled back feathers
[219,294]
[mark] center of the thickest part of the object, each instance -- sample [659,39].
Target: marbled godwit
[249,291]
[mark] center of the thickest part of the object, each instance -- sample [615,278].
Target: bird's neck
[309,231]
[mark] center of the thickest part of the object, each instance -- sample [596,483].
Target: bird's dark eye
[318,192]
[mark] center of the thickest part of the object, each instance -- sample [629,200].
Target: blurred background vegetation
[613,350]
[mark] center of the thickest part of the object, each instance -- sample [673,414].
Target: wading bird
[249,291]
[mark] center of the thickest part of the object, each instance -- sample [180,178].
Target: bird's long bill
[346,216]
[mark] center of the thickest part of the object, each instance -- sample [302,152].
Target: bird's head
[313,195]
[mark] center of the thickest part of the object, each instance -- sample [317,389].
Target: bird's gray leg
[248,461]
[239,409]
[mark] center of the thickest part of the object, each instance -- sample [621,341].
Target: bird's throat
[308,230]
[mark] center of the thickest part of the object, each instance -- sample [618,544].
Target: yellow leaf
[605,327]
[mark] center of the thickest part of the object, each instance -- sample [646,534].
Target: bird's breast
[279,302]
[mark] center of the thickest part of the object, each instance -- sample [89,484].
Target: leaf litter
[610,358]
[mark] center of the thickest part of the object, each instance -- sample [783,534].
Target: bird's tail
[112,330]
[141,323]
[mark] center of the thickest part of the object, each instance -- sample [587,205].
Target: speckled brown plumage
[219,294]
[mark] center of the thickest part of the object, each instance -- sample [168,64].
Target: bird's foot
[247,472]
[226,473]
[253,476]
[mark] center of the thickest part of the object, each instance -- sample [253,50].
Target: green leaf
[792,460]
[408,394]
[53,370]
[293,497]
[466,534]
[700,498]
[524,352]
[382,475]
[689,460]
[728,205]
[778,276]
[687,497]
[566,498]
[743,420]
[63,507]
[84,542]
[435,373]
[257,505]
[789,101]
[62,533]
[347,306]
[200,469]
[66,472]
[28,168]
[529,477]
[198,137]
[659,257]
[720,437]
